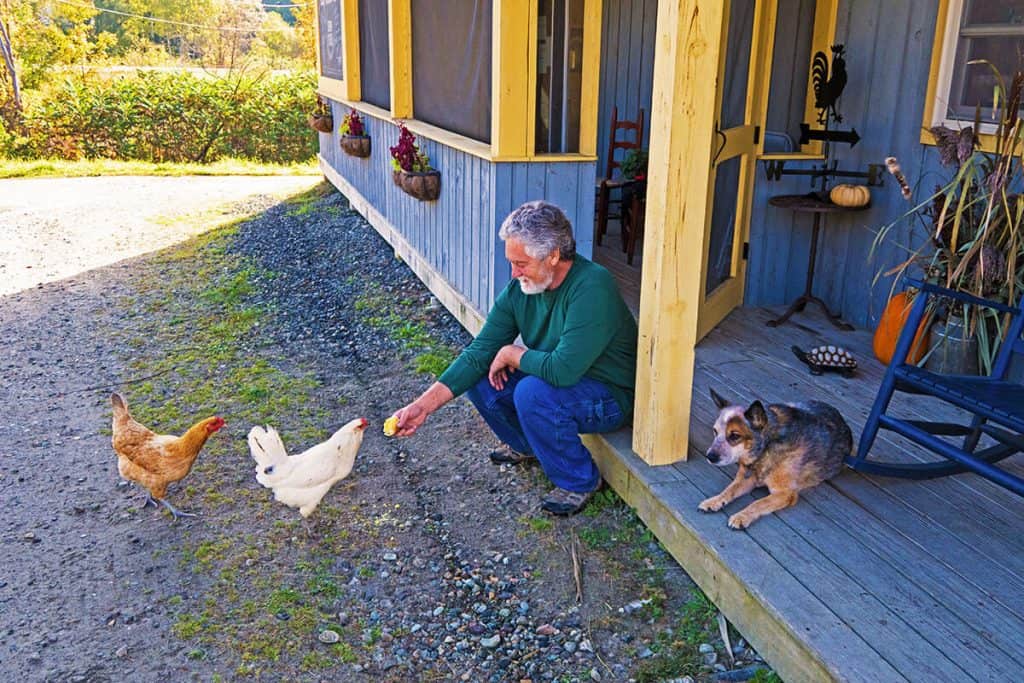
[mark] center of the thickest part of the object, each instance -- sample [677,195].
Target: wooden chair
[996,403]
[608,183]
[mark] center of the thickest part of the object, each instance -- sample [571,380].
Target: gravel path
[428,563]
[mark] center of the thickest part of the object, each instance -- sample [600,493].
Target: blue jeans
[531,416]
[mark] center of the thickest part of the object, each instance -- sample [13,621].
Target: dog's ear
[756,415]
[718,399]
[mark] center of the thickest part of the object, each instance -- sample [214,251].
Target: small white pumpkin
[850,195]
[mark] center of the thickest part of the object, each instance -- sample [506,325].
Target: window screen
[992,30]
[559,75]
[451,65]
[329,13]
[791,64]
[374,53]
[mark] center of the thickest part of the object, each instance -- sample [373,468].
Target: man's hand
[506,360]
[409,419]
[415,414]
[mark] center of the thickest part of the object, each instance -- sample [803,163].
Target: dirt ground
[427,563]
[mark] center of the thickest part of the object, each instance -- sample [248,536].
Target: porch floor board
[866,578]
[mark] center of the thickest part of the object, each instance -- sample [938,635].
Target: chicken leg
[174,511]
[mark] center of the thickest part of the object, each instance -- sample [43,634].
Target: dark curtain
[374,53]
[451,65]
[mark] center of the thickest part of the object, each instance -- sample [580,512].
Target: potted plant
[321,118]
[975,233]
[354,140]
[411,169]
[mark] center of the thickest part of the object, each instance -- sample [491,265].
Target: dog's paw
[713,504]
[740,521]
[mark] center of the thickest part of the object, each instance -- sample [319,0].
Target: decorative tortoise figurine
[827,359]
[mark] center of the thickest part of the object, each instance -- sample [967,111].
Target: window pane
[374,54]
[559,75]
[451,65]
[330,38]
[974,84]
[791,62]
[994,12]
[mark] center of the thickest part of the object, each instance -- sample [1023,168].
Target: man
[575,373]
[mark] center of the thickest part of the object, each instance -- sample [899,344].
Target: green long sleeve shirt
[580,329]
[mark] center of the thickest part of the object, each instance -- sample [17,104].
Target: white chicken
[301,481]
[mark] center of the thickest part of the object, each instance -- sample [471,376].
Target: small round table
[811,203]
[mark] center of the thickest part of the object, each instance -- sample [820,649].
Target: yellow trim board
[461,307]
[592,14]
[334,88]
[510,80]
[400,31]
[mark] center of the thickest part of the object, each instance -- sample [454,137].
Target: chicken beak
[363,423]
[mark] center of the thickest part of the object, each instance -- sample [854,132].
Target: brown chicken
[155,460]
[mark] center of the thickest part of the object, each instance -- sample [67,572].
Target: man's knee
[533,393]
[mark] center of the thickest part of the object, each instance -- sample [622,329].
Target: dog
[786,447]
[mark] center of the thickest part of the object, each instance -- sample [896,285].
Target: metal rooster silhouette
[828,87]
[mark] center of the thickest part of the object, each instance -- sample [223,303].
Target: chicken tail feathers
[266,446]
[119,404]
[819,76]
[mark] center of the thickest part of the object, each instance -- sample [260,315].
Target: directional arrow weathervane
[807,134]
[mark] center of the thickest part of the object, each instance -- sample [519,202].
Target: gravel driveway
[428,563]
[54,228]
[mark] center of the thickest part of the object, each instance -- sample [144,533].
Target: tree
[10,73]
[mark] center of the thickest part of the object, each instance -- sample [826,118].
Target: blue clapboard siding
[458,234]
[888,53]
[627,66]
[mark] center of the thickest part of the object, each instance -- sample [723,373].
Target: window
[330,48]
[451,65]
[559,75]
[374,57]
[974,29]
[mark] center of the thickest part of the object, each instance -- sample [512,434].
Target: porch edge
[449,296]
[771,636]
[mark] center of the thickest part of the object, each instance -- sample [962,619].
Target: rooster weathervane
[828,87]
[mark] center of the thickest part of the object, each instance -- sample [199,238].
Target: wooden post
[400,28]
[686,61]
[350,43]
[512,56]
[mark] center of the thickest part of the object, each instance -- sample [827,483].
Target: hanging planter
[321,119]
[410,168]
[423,185]
[354,140]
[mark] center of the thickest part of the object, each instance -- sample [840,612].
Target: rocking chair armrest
[929,288]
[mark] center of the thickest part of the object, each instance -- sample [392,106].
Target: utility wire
[234,29]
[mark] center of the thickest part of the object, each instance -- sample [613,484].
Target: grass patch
[50,168]
[537,524]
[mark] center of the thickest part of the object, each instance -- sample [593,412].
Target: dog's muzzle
[712,456]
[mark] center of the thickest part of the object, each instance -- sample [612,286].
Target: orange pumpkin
[890,326]
[852,196]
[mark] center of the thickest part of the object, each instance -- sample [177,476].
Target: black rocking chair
[996,403]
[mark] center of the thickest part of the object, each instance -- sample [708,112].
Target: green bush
[172,116]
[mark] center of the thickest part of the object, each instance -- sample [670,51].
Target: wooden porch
[866,579]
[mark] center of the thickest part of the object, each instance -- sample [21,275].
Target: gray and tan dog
[786,447]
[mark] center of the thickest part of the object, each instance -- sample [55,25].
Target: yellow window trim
[347,87]
[943,46]
[453,140]
[400,30]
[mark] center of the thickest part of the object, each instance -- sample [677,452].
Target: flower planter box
[356,145]
[425,186]
[321,122]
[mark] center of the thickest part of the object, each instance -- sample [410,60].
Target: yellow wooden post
[350,35]
[400,28]
[686,62]
[512,54]
[591,75]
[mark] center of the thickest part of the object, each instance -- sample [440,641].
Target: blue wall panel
[888,53]
[458,233]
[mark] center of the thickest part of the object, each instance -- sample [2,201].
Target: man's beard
[538,286]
